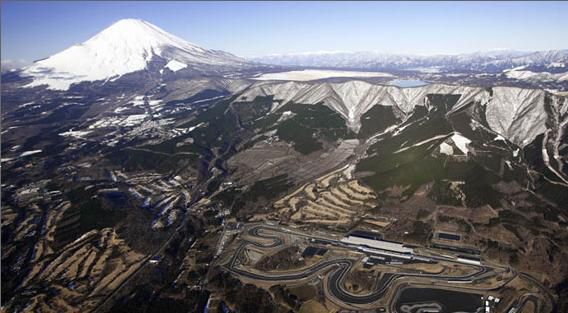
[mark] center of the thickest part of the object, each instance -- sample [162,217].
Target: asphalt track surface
[339,268]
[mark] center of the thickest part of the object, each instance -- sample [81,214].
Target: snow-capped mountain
[127,46]
[515,113]
[493,61]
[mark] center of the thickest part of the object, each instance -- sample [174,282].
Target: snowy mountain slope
[521,74]
[515,113]
[459,141]
[128,45]
[353,98]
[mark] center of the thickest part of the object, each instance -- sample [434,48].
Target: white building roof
[377,244]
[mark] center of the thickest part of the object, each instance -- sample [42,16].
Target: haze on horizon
[34,30]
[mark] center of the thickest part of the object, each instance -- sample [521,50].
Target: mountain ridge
[520,123]
[497,61]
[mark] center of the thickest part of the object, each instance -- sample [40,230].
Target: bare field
[334,199]
[88,268]
[265,160]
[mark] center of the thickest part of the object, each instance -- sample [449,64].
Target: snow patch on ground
[307,75]
[286,115]
[75,133]
[26,153]
[175,66]
[446,149]
[195,127]
[155,104]
[26,104]
[138,100]
[499,138]
[131,120]
[516,153]
[421,143]
[120,109]
[135,119]
[461,142]
[509,164]
[535,76]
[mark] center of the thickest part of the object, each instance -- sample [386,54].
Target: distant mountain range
[493,61]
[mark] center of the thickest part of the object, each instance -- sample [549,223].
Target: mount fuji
[126,46]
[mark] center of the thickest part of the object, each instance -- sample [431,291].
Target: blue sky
[34,30]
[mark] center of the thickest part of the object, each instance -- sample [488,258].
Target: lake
[414,299]
[404,83]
